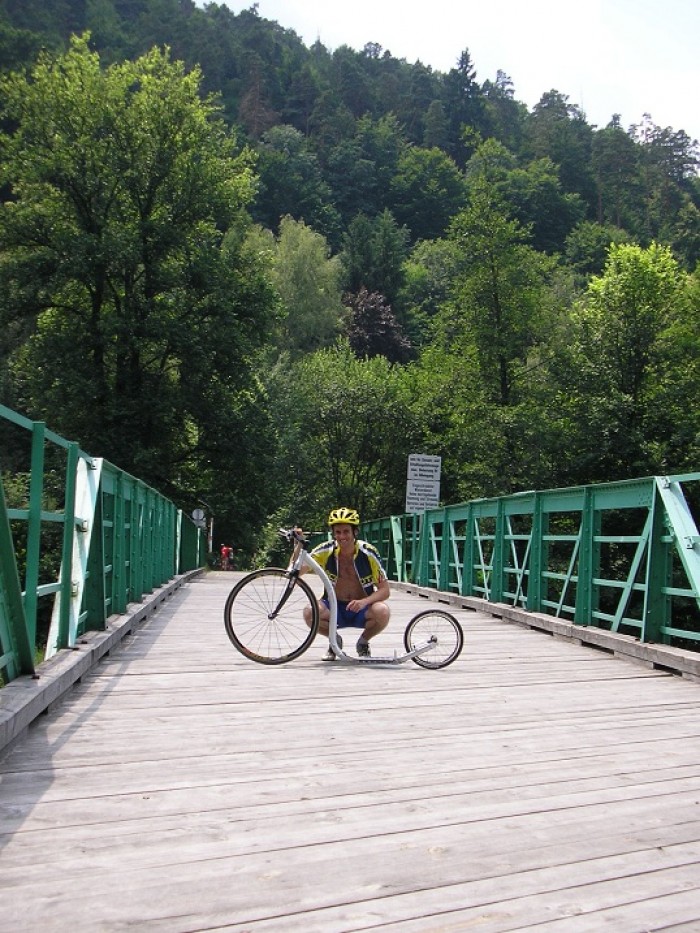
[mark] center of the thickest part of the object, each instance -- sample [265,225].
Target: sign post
[423,482]
[199,518]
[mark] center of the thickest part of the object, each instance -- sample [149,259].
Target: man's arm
[304,568]
[382,593]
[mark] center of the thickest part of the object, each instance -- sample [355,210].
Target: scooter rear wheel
[439,628]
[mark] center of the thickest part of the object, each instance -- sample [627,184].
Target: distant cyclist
[360,583]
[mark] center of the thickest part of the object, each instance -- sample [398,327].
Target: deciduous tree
[346,429]
[123,250]
[426,192]
[615,366]
[308,280]
[373,329]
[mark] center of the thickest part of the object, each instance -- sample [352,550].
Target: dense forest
[259,275]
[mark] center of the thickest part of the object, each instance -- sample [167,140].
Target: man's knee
[308,615]
[378,613]
[323,615]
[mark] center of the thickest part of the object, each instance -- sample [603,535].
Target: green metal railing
[81,540]
[622,556]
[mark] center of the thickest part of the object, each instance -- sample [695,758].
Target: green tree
[492,334]
[373,255]
[308,281]
[615,163]
[436,127]
[505,117]
[453,417]
[672,151]
[586,248]
[331,123]
[419,94]
[301,99]
[358,254]
[426,192]
[672,435]
[558,130]
[123,250]
[682,233]
[614,366]
[390,248]
[499,297]
[627,308]
[382,142]
[291,183]
[429,273]
[350,81]
[669,183]
[352,179]
[17,46]
[346,429]
[537,200]
[464,102]
[532,194]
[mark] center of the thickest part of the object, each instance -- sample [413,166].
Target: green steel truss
[90,539]
[622,556]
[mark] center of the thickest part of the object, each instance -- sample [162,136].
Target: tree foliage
[364,118]
[122,252]
[346,429]
[617,365]
[308,280]
[373,329]
[374,251]
[499,296]
[427,190]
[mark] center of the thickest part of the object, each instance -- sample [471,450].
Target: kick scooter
[265,620]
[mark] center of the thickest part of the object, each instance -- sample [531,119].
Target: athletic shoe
[330,654]
[363,649]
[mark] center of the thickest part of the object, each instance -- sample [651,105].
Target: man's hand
[355,605]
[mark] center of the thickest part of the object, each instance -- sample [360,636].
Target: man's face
[344,534]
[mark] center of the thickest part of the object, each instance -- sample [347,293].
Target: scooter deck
[347,659]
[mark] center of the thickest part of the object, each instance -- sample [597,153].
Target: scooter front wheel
[265,616]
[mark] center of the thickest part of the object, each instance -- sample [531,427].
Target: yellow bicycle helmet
[343,516]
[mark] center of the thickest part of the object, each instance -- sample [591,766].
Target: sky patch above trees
[629,57]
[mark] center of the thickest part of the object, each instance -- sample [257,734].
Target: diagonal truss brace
[682,526]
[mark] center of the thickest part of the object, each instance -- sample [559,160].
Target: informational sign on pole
[423,482]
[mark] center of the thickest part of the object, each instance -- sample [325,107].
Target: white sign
[424,467]
[423,482]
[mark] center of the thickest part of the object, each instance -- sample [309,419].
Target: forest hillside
[260,274]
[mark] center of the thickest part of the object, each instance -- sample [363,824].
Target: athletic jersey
[368,563]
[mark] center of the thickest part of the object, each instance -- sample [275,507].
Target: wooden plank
[534,784]
[26,698]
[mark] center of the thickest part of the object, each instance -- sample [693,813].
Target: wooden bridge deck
[533,785]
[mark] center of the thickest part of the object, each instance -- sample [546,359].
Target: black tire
[248,621]
[444,629]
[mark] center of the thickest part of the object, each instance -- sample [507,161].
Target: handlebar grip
[291,534]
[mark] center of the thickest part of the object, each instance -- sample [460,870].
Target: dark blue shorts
[348,619]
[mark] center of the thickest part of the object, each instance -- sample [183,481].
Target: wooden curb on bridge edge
[24,699]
